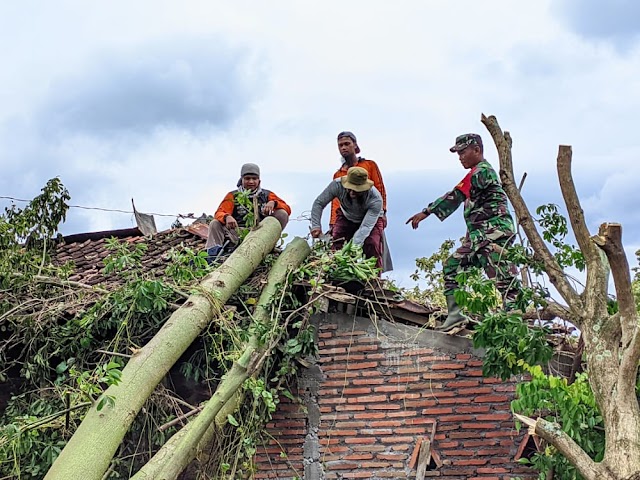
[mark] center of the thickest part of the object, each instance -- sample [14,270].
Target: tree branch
[552,433]
[553,270]
[609,239]
[571,200]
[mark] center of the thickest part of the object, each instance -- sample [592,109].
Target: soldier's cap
[465,140]
[356,179]
[250,169]
[352,137]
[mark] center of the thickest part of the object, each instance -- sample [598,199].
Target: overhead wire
[302,217]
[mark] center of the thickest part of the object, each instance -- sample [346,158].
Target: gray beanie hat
[250,169]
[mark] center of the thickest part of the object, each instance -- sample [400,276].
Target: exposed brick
[409,431]
[438,375]
[470,461]
[473,409]
[437,411]
[401,414]
[375,356]
[492,470]
[350,357]
[392,456]
[453,418]
[333,351]
[474,391]
[386,423]
[356,391]
[368,381]
[444,445]
[367,399]
[369,448]
[359,456]
[491,380]
[342,433]
[383,406]
[396,439]
[349,408]
[463,356]
[403,396]
[494,417]
[448,366]
[361,365]
[359,440]
[364,348]
[491,398]
[462,383]
[370,415]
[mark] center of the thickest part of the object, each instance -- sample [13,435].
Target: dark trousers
[344,230]
[491,259]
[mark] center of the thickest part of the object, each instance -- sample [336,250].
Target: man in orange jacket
[349,150]
[231,214]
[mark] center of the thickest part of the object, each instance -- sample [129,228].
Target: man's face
[470,156]
[346,147]
[250,182]
[354,194]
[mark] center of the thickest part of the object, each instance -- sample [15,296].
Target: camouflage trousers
[490,256]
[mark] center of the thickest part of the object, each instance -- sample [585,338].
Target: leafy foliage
[573,407]
[62,344]
[429,273]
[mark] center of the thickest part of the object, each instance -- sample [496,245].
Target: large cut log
[182,448]
[88,453]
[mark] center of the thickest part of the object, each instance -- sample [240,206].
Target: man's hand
[231,223]
[384,220]
[268,208]
[316,232]
[416,219]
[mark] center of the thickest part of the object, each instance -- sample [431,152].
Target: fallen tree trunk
[182,448]
[88,453]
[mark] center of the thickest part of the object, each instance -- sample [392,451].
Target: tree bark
[553,270]
[182,448]
[611,342]
[88,453]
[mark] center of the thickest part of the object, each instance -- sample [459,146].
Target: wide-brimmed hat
[357,179]
[352,137]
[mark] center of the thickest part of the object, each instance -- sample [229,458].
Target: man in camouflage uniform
[490,228]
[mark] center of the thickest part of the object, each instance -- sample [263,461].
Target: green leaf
[232,420]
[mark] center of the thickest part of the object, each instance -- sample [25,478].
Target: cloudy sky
[163,101]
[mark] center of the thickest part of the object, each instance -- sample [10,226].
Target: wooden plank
[414,455]
[423,459]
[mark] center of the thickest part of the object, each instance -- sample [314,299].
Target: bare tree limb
[555,273]
[609,239]
[550,311]
[552,433]
[571,200]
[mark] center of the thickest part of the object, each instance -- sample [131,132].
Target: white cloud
[163,102]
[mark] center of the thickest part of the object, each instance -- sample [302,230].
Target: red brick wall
[379,388]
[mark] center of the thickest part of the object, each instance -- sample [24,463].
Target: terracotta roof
[87,251]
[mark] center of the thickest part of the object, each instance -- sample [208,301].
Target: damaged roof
[87,251]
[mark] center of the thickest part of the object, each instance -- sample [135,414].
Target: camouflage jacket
[485,205]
